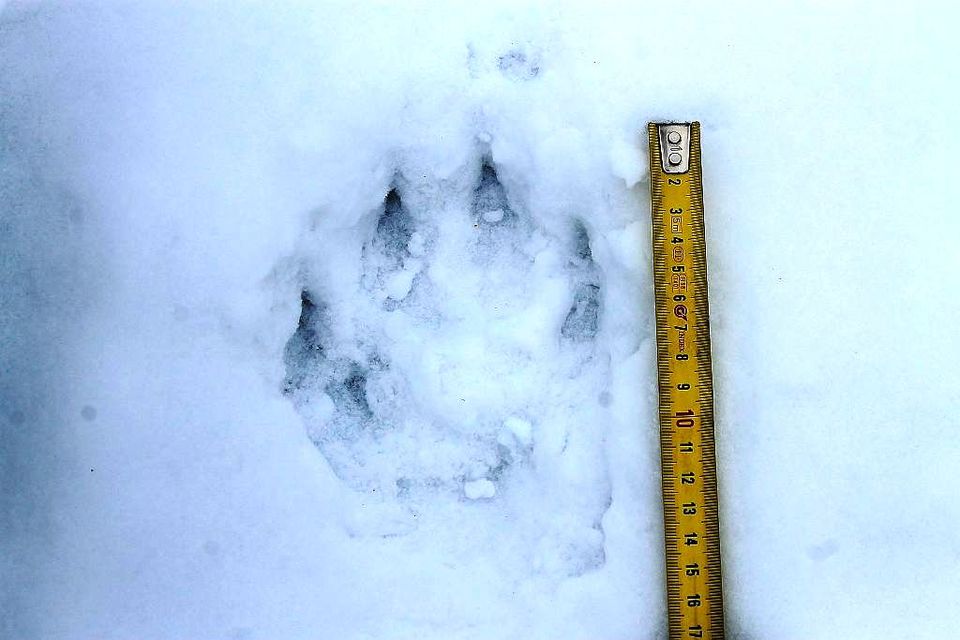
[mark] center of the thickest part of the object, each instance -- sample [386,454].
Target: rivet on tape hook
[675,147]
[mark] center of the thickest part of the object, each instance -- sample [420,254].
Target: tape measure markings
[685,380]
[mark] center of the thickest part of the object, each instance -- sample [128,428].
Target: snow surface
[334,321]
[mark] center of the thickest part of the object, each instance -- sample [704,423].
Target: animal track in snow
[463,367]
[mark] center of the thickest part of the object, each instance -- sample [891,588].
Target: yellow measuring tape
[687,452]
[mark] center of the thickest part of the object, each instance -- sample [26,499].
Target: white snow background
[459,442]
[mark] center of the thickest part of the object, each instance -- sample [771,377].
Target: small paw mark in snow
[519,65]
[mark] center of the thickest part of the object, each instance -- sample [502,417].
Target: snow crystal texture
[334,320]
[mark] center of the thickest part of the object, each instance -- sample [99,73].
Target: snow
[478,489]
[334,320]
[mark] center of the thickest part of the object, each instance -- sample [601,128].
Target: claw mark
[304,349]
[394,230]
[390,258]
[581,242]
[583,319]
[490,206]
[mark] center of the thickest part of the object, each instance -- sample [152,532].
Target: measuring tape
[687,452]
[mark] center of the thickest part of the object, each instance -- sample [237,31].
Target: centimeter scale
[687,453]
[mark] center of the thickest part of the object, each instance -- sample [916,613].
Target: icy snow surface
[334,320]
